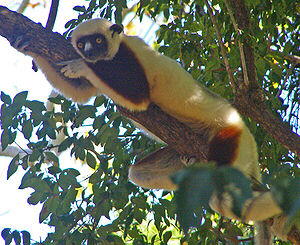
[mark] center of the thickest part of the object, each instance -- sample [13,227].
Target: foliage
[105,208]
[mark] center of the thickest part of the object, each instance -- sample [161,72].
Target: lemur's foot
[188,160]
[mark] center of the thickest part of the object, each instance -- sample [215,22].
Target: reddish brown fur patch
[223,147]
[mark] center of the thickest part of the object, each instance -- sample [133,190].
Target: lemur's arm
[79,90]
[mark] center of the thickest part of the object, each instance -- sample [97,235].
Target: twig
[222,47]
[52,14]
[23,6]
[242,54]
[12,151]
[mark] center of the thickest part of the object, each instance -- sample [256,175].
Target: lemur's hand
[73,68]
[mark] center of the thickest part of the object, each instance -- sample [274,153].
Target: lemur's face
[97,39]
[93,47]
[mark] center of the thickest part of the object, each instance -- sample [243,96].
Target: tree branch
[250,100]
[178,136]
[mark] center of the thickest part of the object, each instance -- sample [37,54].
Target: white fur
[63,86]
[94,26]
[261,207]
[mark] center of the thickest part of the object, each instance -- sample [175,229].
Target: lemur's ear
[115,28]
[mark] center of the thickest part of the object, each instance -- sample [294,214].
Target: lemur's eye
[80,45]
[98,40]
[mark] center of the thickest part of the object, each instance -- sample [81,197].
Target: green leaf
[51,157]
[72,171]
[65,144]
[36,197]
[27,176]
[70,23]
[34,156]
[65,181]
[37,184]
[13,166]
[166,13]
[153,239]
[102,210]
[71,195]
[79,153]
[91,160]
[139,215]
[114,239]
[195,190]
[5,98]
[68,199]
[167,236]
[4,139]
[7,137]
[54,170]
[79,8]
[6,235]
[26,237]
[85,112]
[27,129]
[56,100]
[17,237]
[20,98]
[100,100]
[232,230]
[45,212]
[294,208]
[98,122]
[35,106]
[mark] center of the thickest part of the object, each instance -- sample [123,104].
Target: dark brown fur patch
[124,74]
[224,145]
